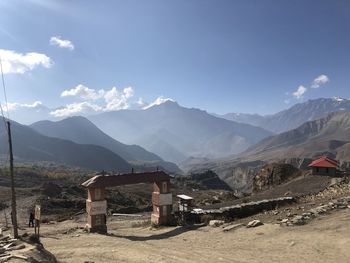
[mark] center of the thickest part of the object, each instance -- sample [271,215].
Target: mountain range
[329,136]
[175,132]
[294,116]
[192,137]
[80,130]
[326,136]
[30,145]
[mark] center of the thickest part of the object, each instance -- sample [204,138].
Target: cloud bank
[94,101]
[13,62]
[17,106]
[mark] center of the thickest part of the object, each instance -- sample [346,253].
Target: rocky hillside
[271,175]
[326,136]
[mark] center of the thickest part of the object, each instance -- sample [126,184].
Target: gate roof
[102,180]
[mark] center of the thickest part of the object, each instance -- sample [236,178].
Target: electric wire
[4,89]
[2,111]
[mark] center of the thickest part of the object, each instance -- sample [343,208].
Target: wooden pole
[6,223]
[13,193]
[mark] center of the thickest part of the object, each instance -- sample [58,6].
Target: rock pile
[8,246]
[342,203]
[338,187]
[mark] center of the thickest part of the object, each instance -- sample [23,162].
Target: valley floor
[324,239]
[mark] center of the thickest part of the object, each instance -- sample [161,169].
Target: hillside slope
[326,136]
[81,130]
[29,145]
[329,135]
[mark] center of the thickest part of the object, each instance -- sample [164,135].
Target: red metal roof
[324,162]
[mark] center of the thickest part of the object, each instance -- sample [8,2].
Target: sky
[262,56]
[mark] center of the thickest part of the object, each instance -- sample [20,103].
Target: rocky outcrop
[210,180]
[271,175]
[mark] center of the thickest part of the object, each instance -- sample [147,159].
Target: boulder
[254,223]
[216,223]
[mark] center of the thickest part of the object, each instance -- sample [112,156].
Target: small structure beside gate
[96,203]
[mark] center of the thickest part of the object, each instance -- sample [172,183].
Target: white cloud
[57,41]
[13,62]
[118,100]
[83,92]
[76,108]
[16,106]
[113,98]
[158,101]
[299,92]
[103,101]
[320,80]
[286,101]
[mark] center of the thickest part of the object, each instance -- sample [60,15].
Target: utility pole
[13,203]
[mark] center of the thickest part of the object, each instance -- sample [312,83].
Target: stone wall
[241,210]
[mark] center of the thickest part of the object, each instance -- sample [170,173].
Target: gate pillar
[96,208]
[162,203]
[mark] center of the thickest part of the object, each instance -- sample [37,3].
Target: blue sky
[220,56]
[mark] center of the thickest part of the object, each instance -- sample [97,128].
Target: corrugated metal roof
[185,197]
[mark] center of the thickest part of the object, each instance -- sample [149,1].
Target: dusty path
[326,239]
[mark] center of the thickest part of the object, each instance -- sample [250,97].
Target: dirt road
[325,239]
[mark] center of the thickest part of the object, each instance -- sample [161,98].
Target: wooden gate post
[96,208]
[162,203]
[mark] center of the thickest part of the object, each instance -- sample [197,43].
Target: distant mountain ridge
[329,136]
[325,136]
[29,145]
[294,116]
[178,132]
[80,130]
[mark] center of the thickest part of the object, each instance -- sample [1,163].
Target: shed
[324,166]
[185,203]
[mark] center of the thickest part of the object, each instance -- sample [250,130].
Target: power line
[13,192]
[2,111]
[4,88]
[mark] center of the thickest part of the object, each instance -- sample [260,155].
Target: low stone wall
[241,210]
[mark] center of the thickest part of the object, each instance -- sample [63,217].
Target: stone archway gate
[96,203]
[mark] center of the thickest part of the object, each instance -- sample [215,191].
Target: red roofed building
[324,166]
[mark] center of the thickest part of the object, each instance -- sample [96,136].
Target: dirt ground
[325,239]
